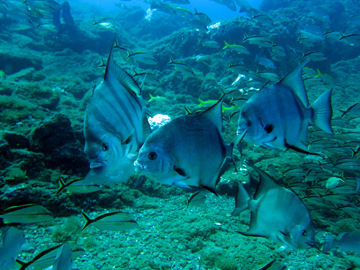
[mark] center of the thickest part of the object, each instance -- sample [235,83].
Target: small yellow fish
[333,182]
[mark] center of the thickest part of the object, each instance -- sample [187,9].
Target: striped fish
[46,258]
[28,213]
[115,127]
[115,221]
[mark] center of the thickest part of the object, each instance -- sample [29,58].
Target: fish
[263,18]
[277,213]
[197,199]
[274,265]
[47,257]
[25,214]
[278,115]
[123,52]
[182,2]
[187,152]
[159,99]
[183,68]
[266,62]
[314,56]
[236,48]
[278,50]
[333,182]
[271,76]
[238,68]
[166,8]
[63,259]
[261,41]
[13,242]
[115,126]
[184,12]
[147,77]
[77,186]
[207,102]
[347,241]
[229,3]
[203,17]
[198,24]
[351,39]
[209,43]
[115,221]
[142,57]
[106,25]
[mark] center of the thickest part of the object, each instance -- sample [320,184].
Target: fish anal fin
[212,190]
[299,147]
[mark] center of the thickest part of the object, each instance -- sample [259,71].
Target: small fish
[351,39]
[236,48]
[47,257]
[184,12]
[149,77]
[333,182]
[63,259]
[209,43]
[198,24]
[183,68]
[284,123]
[106,25]
[277,213]
[261,41]
[115,221]
[25,214]
[142,57]
[197,199]
[273,77]
[321,14]
[228,3]
[348,242]
[263,18]
[278,50]
[77,186]
[159,99]
[181,2]
[266,62]
[115,126]
[315,56]
[207,102]
[188,152]
[274,265]
[238,68]
[334,35]
[166,8]
[13,242]
[123,52]
[203,17]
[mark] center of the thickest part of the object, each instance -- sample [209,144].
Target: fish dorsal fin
[266,182]
[294,81]
[114,72]
[146,126]
[214,114]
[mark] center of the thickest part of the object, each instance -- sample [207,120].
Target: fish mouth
[95,165]
[311,244]
[138,166]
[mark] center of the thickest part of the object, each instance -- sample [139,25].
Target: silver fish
[348,241]
[278,115]
[188,152]
[115,126]
[277,213]
[63,259]
[12,240]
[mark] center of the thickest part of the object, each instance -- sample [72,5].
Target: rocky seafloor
[49,78]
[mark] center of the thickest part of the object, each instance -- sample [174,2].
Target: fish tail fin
[201,102]
[226,45]
[151,97]
[171,60]
[318,73]
[196,12]
[329,243]
[95,22]
[88,221]
[116,43]
[241,200]
[323,112]
[199,41]
[62,186]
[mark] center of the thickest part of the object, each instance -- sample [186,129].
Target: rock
[16,140]
[51,134]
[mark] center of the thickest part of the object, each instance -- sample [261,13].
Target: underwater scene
[179,134]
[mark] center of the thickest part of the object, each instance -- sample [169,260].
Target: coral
[67,232]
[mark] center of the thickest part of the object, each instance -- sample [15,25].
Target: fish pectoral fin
[249,233]
[128,139]
[180,171]
[269,128]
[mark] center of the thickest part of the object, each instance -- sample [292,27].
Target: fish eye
[303,233]
[105,147]
[152,156]
[248,123]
